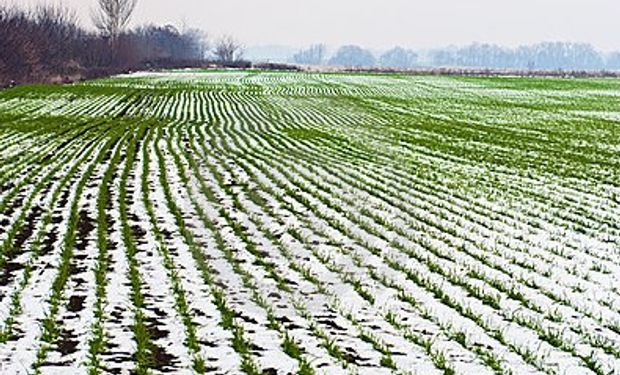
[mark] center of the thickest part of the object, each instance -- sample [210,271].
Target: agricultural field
[302,223]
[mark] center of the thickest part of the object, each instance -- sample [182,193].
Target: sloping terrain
[280,223]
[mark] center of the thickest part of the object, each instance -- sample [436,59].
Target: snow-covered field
[298,223]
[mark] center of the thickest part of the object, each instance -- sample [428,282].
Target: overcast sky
[383,23]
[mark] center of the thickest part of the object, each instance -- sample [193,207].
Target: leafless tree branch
[227,49]
[112,16]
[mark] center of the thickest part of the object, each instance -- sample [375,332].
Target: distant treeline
[542,56]
[47,44]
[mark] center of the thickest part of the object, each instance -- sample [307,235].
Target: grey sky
[382,23]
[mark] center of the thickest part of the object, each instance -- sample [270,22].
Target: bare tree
[58,27]
[46,44]
[228,50]
[314,55]
[353,56]
[36,42]
[398,57]
[198,40]
[112,16]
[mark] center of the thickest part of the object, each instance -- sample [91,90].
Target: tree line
[541,56]
[47,44]
[356,56]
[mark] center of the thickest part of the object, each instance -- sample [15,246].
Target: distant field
[291,223]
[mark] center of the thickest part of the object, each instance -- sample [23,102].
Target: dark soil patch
[76,303]
[132,216]
[7,186]
[66,347]
[330,323]
[352,357]
[256,349]
[80,281]
[159,312]
[152,326]
[166,233]
[246,318]
[209,344]
[138,232]
[28,228]
[67,342]
[49,241]
[75,269]
[19,200]
[161,359]
[85,226]
[7,273]
[117,315]
[64,199]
